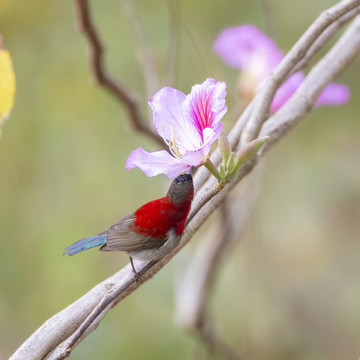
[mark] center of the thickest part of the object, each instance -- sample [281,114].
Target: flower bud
[247,153]
[250,149]
[224,146]
[230,163]
[222,172]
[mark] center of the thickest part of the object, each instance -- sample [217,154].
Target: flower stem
[211,167]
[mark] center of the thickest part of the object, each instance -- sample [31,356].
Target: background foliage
[290,290]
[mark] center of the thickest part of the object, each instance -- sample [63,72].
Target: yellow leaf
[7,84]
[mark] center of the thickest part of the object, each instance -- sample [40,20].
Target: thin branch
[147,56]
[296,54]
[64,325]
[240,126]
[198,205]
[338,58]
[326,35]
[174,43]
[193,290]
[268,15]
[118,90]
[215,344]
[116,293]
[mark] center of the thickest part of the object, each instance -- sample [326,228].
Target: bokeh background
[291,289]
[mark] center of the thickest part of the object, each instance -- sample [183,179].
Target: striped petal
[155,163]
[205,106]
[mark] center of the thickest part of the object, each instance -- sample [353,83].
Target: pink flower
[247,48]
[189,124]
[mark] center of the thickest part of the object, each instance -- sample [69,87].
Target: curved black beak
[190,171]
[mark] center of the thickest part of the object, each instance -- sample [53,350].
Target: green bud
[224,146]
[230,163]
[247,153]
[222,172]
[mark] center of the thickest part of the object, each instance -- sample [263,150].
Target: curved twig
[296,54]
[339,57]
[324,38]
[147,56]
[121,93]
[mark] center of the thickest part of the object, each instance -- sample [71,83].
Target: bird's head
[181,189]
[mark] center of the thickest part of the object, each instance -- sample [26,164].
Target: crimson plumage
[149,232]
[156,217]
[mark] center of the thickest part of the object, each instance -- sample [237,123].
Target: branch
[339,57]
[215,344]
[243,126]
[296,54]
[119,91]
[194,290]
[324,37]
[72,322]
[173,48]
[147,56]
[196,284]
[64,325]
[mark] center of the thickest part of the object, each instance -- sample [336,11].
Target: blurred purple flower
[189,124]
[247,48]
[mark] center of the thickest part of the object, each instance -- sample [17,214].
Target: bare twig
[195,286]
[268,15]
[193,290]
[147,56]
[338,58]
[117,292]
[215,344]
[119,91]
[65,324]
[243,126]
[198,205]
[324,38]
[174,43]
[296,54]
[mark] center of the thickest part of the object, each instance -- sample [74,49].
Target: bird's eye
[184,179]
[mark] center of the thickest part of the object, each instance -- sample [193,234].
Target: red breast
[157,217]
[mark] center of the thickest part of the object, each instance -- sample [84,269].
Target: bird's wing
[121,236]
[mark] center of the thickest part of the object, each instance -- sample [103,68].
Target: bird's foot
[137,276]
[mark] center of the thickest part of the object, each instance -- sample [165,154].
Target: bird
[151,231]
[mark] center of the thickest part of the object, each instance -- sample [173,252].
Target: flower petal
[334,94]
[201,154]
[155,163]
[246,47]
[205,106]
[167,107]
[286,91]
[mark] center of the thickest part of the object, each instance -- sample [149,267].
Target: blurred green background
[291,290]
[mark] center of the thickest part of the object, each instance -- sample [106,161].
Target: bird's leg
[136,275]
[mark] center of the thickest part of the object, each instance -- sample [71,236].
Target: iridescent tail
[85,244]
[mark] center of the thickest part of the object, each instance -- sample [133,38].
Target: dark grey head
[183,178]
[181,189]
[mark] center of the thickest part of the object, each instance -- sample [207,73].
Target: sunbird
[151,231]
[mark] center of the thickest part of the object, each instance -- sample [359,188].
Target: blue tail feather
[85,244]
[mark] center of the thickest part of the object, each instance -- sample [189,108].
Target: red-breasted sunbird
[151,231]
